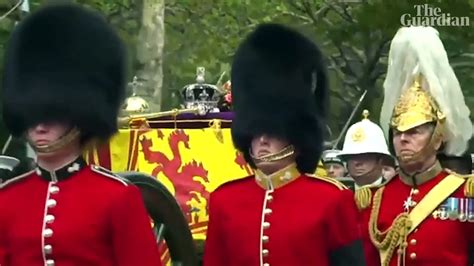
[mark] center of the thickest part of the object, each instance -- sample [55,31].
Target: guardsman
[425,215]
[281,215]
[365,150]
[62,89]
[334,165]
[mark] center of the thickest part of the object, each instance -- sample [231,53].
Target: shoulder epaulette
[15,179]
[363,195]
[331,181]
[468,186]
[106,172]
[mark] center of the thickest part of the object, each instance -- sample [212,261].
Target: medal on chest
[456,209]
[409,203]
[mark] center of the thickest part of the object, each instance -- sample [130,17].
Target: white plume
[419,50]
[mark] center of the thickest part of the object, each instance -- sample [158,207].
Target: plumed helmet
[421,87]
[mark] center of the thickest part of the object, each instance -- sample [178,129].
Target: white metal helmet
[8,163]
[332,156]
[364,137]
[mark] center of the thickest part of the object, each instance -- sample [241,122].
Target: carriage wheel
[169,223]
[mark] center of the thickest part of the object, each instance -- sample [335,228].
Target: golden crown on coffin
[135,104]
[200,94]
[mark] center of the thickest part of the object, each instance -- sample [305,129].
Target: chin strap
[363,195]
[66,139]
[273,157]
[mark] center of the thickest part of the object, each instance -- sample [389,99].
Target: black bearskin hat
[279,88]
[64,63]
[460,164]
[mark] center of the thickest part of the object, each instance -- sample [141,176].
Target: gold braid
[396,235]
[469,187]
[363,197]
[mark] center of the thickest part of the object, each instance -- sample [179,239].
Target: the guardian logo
[427,15]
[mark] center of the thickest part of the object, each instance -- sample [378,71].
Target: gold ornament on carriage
[135,112]
[135,104]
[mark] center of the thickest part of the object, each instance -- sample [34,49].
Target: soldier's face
[265,145]
[360,165]
[335,170]
[412,141]
[46,133]
[388,172]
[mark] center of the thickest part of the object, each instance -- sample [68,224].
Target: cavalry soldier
[333,164]
[365,150]
[63,86]
[281,215]
[425,215]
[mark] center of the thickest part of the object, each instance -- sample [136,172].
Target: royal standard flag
[191,161]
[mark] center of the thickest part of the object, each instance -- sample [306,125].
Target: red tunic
[77,215]
[302,221]
[437,241]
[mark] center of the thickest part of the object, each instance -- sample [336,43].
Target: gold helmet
[421,87]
